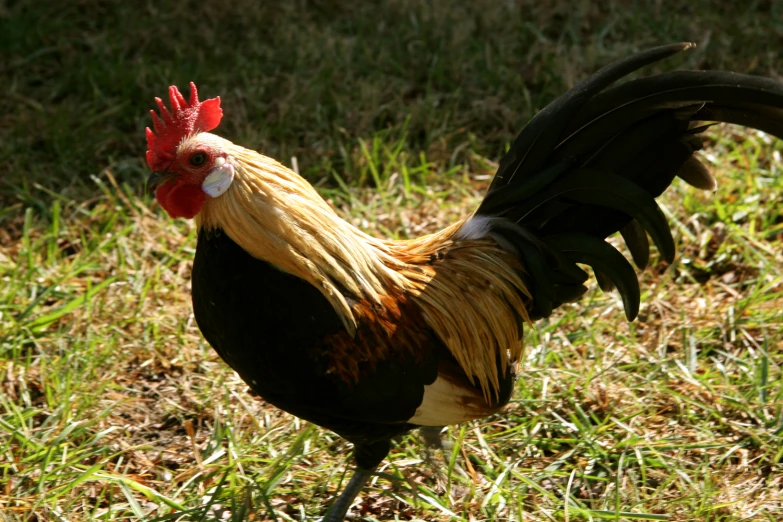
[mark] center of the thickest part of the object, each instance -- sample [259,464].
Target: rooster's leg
[367,456]
[343,503]
[433,439]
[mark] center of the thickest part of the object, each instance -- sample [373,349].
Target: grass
[114,408]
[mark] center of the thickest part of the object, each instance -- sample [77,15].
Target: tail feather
[751,101]
[591,163]
[695,174]
[636,239]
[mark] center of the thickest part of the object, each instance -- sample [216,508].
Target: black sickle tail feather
[593,161]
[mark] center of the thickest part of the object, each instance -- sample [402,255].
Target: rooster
[371,338]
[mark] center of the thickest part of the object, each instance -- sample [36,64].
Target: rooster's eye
[198,159]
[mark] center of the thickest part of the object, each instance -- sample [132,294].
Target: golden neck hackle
[277,216]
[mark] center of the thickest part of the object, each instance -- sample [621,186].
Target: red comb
[170,129]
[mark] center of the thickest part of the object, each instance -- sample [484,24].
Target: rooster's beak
[157,179]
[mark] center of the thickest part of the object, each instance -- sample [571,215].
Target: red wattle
[180,200]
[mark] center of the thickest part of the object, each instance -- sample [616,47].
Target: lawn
[113,407]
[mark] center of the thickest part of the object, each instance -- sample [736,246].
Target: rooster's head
[188,164]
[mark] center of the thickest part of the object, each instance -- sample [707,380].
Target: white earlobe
[218,181]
